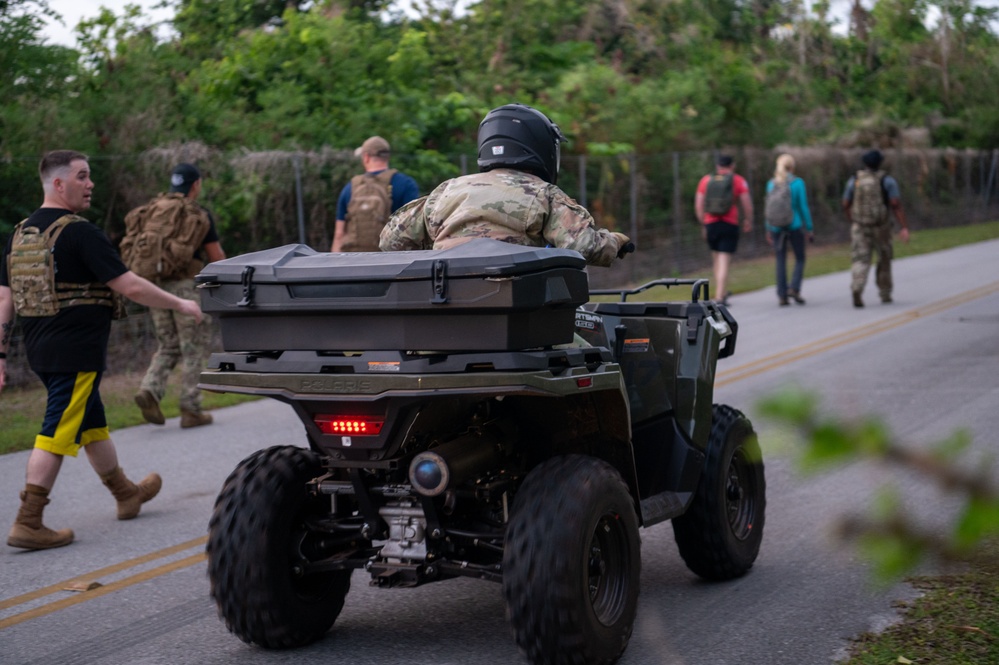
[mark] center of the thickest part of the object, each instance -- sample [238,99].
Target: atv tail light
[349,425]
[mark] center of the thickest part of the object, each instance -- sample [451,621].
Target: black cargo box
[483,295]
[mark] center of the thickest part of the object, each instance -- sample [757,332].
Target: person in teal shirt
[794,234]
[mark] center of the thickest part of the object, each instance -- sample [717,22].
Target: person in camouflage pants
[865,241]
[514,199]
[867,200]
[180,339]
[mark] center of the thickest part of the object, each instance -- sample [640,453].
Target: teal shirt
[799,204]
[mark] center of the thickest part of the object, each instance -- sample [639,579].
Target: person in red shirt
[721,229]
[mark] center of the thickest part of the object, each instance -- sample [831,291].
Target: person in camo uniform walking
[514,198]
[181,339]
[867,199]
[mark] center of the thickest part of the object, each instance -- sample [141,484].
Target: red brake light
[349,425]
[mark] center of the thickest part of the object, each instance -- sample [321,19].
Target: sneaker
[194,418]
[150,407]
[857,300]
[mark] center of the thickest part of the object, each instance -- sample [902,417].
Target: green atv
[470,412]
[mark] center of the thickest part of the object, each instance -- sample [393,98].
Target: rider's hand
[624,246]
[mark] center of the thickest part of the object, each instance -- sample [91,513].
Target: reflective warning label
[639,345]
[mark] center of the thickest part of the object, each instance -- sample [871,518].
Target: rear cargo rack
[400,362]
[699,285]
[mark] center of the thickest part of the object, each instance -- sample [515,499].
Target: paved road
[928,363]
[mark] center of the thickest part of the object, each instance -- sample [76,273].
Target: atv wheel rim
[608,569]
[740,494]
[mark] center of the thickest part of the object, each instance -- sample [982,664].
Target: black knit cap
[724,160]
[872,159]
[183,176]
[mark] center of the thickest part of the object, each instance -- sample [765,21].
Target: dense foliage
[649,76]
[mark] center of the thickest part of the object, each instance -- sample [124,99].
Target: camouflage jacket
[503,204]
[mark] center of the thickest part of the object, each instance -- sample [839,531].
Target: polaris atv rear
[456,426]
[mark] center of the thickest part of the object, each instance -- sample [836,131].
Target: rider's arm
[406,229]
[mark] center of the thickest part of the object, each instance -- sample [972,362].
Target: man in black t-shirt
[68,351]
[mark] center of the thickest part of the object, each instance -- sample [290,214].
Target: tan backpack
[870,200]
[32,277]
[163,236]
[369,209]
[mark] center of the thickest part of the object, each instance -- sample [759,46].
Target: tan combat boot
[28,531]
[130,496]
[150,407]
[194,418]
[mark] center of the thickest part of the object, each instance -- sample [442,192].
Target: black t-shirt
[75,339]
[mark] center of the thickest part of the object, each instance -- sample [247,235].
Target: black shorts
[722,237]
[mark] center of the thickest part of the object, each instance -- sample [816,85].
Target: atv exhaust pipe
[439,469]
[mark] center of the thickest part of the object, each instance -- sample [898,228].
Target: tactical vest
[369,209]
[870,201]
[32,275]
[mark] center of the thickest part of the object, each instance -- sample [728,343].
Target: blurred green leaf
[953,446]
[790,405]
[979,520]
[891,556]
[872,438]
[829,444]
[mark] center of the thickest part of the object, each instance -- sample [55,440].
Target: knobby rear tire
[256,536]
[571,563]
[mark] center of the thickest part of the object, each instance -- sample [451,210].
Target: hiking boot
[150,407]
[28,531]
[194,418]
[796,297]
[857,300]
[783,302]
[130,496]
[886,300]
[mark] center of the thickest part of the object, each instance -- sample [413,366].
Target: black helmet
[520,137]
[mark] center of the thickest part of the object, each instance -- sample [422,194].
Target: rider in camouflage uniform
[514,198]
[868,197]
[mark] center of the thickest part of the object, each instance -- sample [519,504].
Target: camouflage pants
[179,339]
[864,241]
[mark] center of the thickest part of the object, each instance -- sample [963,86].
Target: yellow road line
[109,570]
[111,587]
[841,339]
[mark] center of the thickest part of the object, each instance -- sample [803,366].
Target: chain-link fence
[268,199]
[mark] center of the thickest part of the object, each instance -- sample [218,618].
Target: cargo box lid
[481,257]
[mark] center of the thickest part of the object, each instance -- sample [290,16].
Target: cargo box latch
[439,278]
[247,280]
